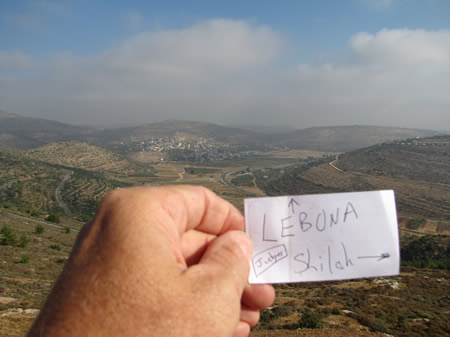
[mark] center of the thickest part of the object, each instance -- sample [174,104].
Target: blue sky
[297,63]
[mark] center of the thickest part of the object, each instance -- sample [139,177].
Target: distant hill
[332,139]
[271,129]
[188,130]
[345,138]
[25,132]
[423,159]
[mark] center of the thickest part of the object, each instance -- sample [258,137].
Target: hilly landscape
[418,171]
[30,187]
[21,132]
[52,176]
[345,138]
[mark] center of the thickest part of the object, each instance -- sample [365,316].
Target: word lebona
[304,222]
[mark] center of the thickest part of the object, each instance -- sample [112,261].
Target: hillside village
[180,147]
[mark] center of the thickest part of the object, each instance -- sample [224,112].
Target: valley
[49,170]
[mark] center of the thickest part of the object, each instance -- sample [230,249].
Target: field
[415,303]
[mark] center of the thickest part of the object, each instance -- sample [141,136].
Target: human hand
[157,261]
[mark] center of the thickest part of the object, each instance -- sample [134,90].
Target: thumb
[221,276]
[228,256]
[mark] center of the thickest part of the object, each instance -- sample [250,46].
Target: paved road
[224,179]
[21,217]
[58,193]
[334,166]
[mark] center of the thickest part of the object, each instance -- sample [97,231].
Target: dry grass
[26,285]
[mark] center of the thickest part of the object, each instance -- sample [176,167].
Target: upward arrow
[291,204]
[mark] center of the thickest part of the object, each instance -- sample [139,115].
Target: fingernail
[182,266]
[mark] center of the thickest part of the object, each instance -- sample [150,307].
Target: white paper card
[323,237]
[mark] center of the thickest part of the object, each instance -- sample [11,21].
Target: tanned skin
[157,261]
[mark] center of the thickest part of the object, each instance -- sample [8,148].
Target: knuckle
[112,198]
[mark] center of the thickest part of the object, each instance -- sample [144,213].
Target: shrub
[374,324]
[267,316]
[335,311]
[415,223]
[53,218]
[9,237]
[310,320]
[67,230]
[25,259]
[39,229]
[282,311]
[23,241]
[35,213]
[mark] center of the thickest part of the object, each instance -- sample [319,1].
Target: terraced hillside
[409,159]
[83,192]
[89,157]
[418,172]
[415,303]
[29,186]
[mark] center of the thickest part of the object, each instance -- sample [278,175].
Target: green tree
[8,236]
[23,241]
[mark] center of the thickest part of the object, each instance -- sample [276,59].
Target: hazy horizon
[300,65]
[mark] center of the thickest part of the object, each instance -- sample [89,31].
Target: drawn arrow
[291,204]
[380,257]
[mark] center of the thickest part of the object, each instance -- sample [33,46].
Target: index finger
[196,207]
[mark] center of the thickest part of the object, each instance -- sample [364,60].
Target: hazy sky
[295,63]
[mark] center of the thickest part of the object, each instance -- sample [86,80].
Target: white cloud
[403,47]
[224,71]
[210,45]
[398,77]
[14,60]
